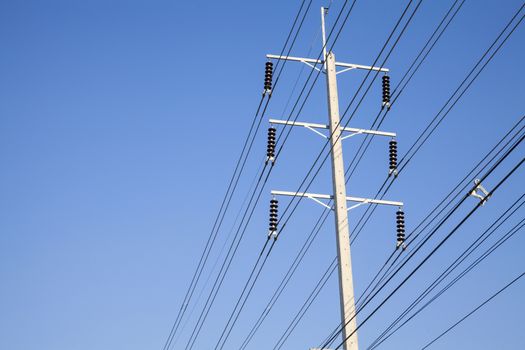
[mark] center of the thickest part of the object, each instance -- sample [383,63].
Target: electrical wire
[433,251]
[474,310]
[487,253]
[223,207]
[308,242]
[505,216]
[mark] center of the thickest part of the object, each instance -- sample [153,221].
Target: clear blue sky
[120,123]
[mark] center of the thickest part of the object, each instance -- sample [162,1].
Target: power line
[471,212]
[487,233]
[421,227]
[308,241]
[225,202]
[483,256]
[474,310]
[496,152]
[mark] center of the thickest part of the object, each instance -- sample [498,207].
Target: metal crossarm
[315,196]
[354,131]
[347,66]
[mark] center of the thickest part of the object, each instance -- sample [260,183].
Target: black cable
[417,231]
[226,264]
[302,310]
[487,253]
[402,161]
[443,241]
[272,301]
[436,228]
[287,277]
[455,264]
[199,327]
[474,310]
[224,205]
[351,102]
[354,112]
[368,138]
[404,28]
[490,58]
[497,152]
[420,228]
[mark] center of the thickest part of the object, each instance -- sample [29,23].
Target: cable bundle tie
[480,192]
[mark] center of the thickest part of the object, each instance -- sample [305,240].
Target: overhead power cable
[458,98]
[226,200]
[433,251]
[474,310]
[482,164]
[325,213]
[219,279]
[487,233]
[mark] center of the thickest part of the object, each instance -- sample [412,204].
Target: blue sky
[120,124]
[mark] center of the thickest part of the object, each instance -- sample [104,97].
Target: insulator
[392,156]
[400,221]
[270,149]
[386,91]
[272,226]
[268,75]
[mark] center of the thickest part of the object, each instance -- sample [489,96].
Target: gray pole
[346,284]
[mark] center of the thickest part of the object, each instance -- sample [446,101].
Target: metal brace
[479,188]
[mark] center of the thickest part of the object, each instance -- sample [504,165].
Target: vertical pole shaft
[323,13]
[346,285]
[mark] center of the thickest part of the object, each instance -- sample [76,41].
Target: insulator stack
[392,149]
[386,91]
[268,76]
[274,205]
[400,219]
[270,150]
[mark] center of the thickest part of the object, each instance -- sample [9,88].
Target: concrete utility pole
[346,286]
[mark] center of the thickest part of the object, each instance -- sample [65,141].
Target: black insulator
[386,90]
[272,227]
[268,75]
[270,149]
[392,147]
[400,220]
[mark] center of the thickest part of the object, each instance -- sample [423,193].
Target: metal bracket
[272,234]
[314,126]
[317,198]
[338,64]
[484,196]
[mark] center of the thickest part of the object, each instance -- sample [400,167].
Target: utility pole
[346,283]
[339,197]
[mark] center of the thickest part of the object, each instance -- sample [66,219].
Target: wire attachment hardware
[386,91]
[392,149]
[268,76]
[400,220]
[270,149]
[484,196]
[274,205]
